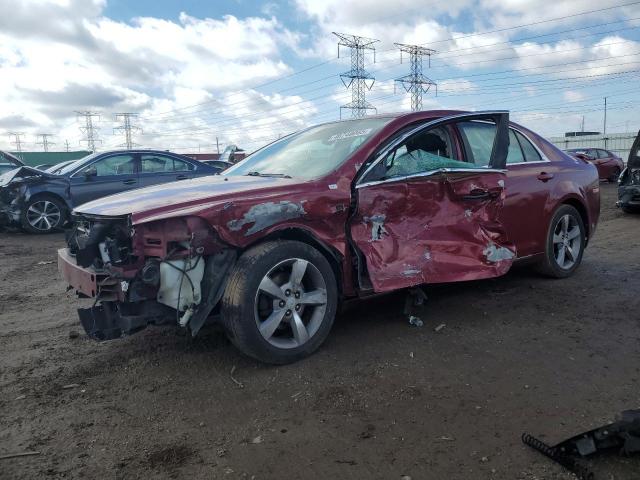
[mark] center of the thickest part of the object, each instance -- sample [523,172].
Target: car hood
[12,159]
[181,197]
[23,173]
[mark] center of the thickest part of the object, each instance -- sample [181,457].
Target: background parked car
[40,201]
[8,162]
[608,164]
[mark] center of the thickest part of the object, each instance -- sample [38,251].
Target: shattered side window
[423,152]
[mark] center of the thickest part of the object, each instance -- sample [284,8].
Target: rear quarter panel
[577,184]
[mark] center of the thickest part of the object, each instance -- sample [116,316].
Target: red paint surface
[430,233]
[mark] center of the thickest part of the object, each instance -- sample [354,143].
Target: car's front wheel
[43,214]
[565,243]
[280,301]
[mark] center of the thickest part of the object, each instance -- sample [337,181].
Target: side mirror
[90,173]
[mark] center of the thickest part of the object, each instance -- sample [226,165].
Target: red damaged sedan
[271,246]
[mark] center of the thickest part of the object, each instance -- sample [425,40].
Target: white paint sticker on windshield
[351,134]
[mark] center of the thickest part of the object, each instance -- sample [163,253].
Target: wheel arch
[45,194]
[302,235]
[582,210]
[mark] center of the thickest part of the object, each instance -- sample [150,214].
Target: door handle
[544,176]
[131,181]
[181,177]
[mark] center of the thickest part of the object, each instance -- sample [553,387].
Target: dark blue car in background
[40,201]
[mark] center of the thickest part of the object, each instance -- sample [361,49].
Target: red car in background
[608,164]
[271,246]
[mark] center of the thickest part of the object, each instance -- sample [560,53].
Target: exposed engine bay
[151,274]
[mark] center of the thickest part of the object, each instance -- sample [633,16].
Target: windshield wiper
[260,174]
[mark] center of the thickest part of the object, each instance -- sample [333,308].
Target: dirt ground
[381,399]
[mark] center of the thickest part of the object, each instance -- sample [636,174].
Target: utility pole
[582,124]
[416,82]
[217,146]
[17,142]
[66,145]
[358,79]
[604,130]
[45,141]
[89,129]
[127,128]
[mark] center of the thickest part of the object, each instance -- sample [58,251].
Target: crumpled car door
[437,226]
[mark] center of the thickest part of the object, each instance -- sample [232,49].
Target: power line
[416,82]
[45,141]
[127,128]
[297,106]
[89,129]
[247,102]
[243,102]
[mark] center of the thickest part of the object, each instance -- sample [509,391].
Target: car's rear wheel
[565,243]
[613,178]
[43,214]
[280,301]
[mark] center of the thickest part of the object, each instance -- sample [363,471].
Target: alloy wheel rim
[567,242]
[290,303]
[43,215]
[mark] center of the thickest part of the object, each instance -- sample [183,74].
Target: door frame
[497,162]
[497,165]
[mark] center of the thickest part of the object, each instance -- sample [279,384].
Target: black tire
[631,210]
[239,302]
[51,203]
[613,178]
[549,266]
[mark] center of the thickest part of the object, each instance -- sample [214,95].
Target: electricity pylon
[416,82]
[358,79]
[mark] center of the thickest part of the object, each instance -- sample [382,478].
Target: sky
[246,72]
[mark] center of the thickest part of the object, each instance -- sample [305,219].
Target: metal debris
[622,435]
[439,327]
[240,384]
[415,321]
[19,454]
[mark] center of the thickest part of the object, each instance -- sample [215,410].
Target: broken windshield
[310,153]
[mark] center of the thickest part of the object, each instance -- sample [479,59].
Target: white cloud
[573,96]
[149,65]
[190,78]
